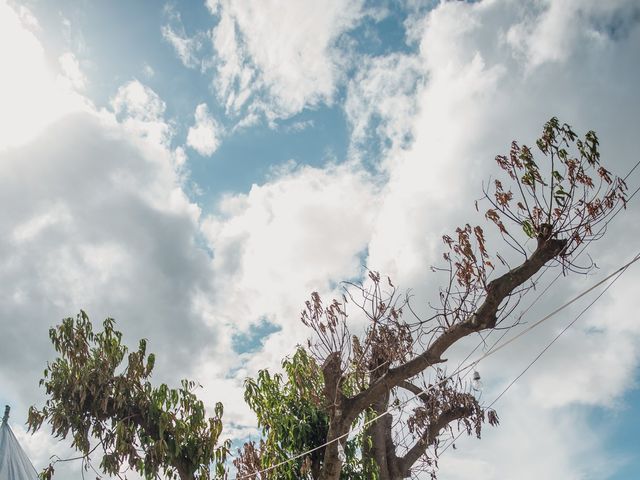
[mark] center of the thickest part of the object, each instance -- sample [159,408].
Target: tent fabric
[14,463]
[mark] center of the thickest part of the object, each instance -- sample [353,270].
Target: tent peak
[14,462]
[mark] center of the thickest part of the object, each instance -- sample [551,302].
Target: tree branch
[484,318]
[417,391]
[429,436]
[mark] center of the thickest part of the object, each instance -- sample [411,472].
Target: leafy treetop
[101,395]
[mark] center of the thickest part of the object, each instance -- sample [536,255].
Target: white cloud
[142,110]
[30,96]
[561,438]
[299,126]
[25,231]
[381,97]
[186,47]
[28,20]
[560,28]
[296,234]
[71,70]
[272,246]
[138,101]
[204,135]
[71,242]
[282,55]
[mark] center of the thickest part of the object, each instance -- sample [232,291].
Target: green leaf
[557,176]
[528,229]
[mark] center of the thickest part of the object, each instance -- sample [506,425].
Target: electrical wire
[492,351]
[609,220]
[544,350]
[449,377]
[600,231]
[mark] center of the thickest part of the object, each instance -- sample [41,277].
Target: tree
[292,419]
[101,395]
[543,217]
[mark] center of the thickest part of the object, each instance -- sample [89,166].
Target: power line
[601,230]
[609,220]
[569,325]
[491,351]
[471,365]
[544,291]
[544,350]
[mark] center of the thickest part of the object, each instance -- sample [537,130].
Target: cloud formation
[141,110]
[204,135]
[99,221]
[187,48]
[274,64]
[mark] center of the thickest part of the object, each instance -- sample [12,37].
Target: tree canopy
[101,396]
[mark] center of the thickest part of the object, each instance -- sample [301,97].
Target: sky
[196,169]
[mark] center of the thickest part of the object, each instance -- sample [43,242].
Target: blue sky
[195,169]
[247,156]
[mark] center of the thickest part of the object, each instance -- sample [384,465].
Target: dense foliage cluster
[101,396]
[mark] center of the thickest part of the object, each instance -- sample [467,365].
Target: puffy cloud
[142,110]
[27,18]
[204,136]
[105,227]
[138,101]
[380,102]
[607,346]
[279,63]
[297,233]
[560,28]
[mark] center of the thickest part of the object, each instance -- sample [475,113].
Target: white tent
[14,463]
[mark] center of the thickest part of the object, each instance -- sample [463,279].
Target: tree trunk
[332,373]
[316,466]
[331,465]
[184,472]
[384,449]
[379,437]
